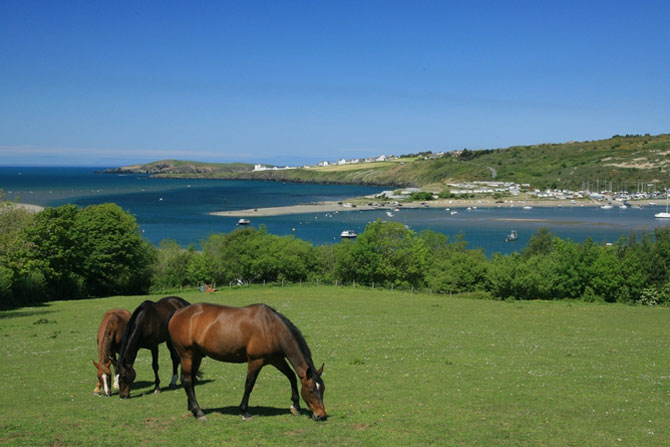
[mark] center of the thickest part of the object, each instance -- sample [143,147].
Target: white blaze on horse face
[104,383]
[116,382]
[318,387]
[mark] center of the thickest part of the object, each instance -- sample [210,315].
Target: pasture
[400,370]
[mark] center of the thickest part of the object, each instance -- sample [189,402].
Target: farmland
[400,369]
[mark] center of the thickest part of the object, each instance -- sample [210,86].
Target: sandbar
[329,207]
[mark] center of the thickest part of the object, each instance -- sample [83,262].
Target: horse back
[154,319]
[229,334]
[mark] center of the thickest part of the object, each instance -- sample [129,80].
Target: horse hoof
[202,418]
[247,417]
[294,411]
[157,391]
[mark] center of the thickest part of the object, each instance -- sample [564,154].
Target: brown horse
[109,341]
[147,328]
[256,334]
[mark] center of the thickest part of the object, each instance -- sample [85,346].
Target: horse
[109,339]
[147,328]
[255,334]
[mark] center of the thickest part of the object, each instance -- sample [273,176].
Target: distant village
[488,188]
[325,163]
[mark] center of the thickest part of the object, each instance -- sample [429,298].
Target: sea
[179,209]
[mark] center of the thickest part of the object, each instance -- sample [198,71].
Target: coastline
[356,205]
[26,206]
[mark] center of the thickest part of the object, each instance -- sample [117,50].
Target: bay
[179,209]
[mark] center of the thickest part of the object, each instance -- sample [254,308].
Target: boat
[348,234]
[606,207]
[666,214]
[512,236]
[243,222]
[389,214]
[528,207]
[454,212]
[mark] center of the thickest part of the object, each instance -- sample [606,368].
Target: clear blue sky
[113,83]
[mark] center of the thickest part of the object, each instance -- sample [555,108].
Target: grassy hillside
[624,161]
[400,370]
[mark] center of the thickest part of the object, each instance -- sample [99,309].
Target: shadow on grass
[6,314]
[255,411]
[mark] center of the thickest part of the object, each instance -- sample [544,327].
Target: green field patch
[401,369]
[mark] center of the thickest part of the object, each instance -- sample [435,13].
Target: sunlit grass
[400,369]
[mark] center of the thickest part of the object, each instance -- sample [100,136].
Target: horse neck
[294,353]
[130,344]
[105,347]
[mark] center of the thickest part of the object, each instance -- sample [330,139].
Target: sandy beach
[356,205]
[26,206]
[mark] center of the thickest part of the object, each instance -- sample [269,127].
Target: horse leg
[189,368]
[115,384]
[282,366]
[253,369]
[175,363]
[154,365]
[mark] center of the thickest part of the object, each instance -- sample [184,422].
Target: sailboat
[666,214]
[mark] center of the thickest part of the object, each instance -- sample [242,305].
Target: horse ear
[320,371]
[95,364]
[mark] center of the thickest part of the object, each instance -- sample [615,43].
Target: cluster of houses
[260,167]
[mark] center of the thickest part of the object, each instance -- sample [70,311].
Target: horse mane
[129,339]
[299,338]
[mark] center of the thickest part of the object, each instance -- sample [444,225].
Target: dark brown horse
[109,341]
[147,328]
[256,334]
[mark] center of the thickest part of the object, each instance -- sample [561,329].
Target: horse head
[126,379]
[104,376]
[312,393]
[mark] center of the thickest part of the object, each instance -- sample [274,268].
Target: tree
[387,253]
[116,260]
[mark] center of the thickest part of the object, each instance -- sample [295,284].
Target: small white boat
[606,207]
[348,234]
[389,214]
[666,214]
[512,236]
[454,213]
[243,222]
[528,207]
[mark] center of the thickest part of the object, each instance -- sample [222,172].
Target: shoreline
[329,207]
[26,206]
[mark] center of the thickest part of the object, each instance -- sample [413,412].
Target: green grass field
[401,370]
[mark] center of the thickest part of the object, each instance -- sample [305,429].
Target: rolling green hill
[625,161]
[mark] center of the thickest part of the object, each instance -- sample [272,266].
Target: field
[400,370]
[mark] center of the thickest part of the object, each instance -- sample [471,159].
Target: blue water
[179,209]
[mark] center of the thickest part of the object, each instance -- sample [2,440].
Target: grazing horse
[109,341]
[147,328]
[256,334]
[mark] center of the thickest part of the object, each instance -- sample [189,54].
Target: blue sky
[114,83]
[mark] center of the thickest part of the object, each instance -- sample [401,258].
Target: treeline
[70,252]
